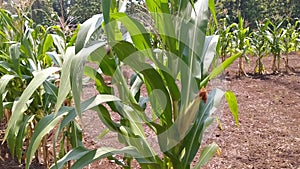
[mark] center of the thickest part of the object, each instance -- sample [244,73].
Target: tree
[253,10]
[76,11]
[41,12]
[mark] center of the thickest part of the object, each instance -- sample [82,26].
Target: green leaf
[9,20]
[15,53]
[66,120]
[59,43]
[87,29]
[48,42]
[106,62]
[50,88]
[130,56]
[193,51]
[220,68]
[136,86]
[209,52]
[139,35]
[106,119]
[106,6]
[105,152]
[5,79]
[97,100]
[233,106]
[206,154]
[85,156]
[177,132]
[76,72]
[75,135]
[65,82]
[21,136]
[99,81]
[20,105]
[74,154]
[45,125]
[193,139]
[211,5]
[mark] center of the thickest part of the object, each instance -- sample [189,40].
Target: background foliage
[252,10]
[81,10]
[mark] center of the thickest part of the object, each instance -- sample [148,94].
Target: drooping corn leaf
[233,106]
[139,35]
[20,106]
[85,156]
[87,29]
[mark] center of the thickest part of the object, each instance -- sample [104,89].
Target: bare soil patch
[269,116]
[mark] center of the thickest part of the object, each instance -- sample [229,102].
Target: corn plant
[179,113]
[31,58]
[225,39]
[274,36]
[241,43]
[289,42]
[259,46]
[296,34]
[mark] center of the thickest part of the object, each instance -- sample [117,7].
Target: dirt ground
[269,116]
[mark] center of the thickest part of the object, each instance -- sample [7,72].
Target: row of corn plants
[31,59]
[267,39]
[174,59]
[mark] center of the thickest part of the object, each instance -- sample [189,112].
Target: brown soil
[269,117]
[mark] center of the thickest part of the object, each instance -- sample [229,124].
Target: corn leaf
[209,52]
[85,156]
[130,56]
[206,154]
[77,70]
[193,139]
[233,106]
[5,79]
[45,125]
[20,105]
[65,84]
[215,72]
[138,33]
[86,30]
[21,136]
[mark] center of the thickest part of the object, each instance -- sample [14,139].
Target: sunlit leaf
[233,106]
[18,107]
